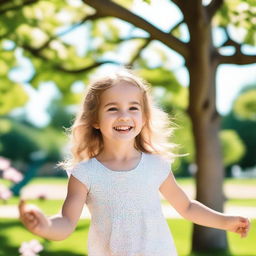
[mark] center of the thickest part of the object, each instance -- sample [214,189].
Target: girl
[119,163]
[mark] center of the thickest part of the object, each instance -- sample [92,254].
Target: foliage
[246,131]
[232,147]
[240,119]
[61,117]
[38,25]
[12,93]
[26,139]
[239,14]
[245,105]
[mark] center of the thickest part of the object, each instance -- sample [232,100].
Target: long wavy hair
[87,142]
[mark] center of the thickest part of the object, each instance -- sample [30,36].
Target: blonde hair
[87,142]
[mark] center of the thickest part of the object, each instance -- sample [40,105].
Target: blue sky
[230,78]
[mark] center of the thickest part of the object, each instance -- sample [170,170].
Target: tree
[38,27]
[245,105]
[242,120]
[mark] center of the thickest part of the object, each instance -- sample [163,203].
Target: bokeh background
[49,51]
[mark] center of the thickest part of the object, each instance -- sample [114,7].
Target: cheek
[140,119]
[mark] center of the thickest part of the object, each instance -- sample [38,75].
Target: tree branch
[231,42]
[87,68]
[120,40]
[56,66]
[138,53]
[180,4]
[17,7]
[72,27]
[109,8]
[238,58]
[213,7]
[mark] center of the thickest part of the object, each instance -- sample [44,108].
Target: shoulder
[158,159]
[85,164]
[83,171]
[160,165]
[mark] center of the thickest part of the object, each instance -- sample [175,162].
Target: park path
[52,191]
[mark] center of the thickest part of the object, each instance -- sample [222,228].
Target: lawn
[181,181]
[13,234]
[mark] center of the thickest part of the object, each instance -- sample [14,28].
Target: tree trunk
[209,182]
[210,171]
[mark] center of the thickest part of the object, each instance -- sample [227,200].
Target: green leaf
[12,96]
[233,148]
[160,76]
[245,105]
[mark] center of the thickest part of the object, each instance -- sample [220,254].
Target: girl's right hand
[33,218]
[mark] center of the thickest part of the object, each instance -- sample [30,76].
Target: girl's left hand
[239,225]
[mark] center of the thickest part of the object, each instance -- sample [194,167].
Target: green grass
[41,180]
[181,181]
[49,207]
[227,181]
[242,202]
[53,206]
[13,234]
[232,181]
[231,202]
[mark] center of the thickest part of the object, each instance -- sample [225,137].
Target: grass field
[13,234]
[181,181]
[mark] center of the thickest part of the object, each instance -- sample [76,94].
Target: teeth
[122,128]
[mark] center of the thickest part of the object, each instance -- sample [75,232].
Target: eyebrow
[115,103]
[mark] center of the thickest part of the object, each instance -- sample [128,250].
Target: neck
[118,151]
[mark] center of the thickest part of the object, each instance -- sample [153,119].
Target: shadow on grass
[8,246]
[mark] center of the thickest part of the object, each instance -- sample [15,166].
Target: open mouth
[123,128]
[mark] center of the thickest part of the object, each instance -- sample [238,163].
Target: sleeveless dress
[125,208]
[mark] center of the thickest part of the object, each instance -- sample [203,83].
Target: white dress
[125,208]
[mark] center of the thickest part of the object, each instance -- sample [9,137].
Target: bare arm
[199,213]
[60,226]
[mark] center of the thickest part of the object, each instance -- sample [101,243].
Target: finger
[21,206]
[30,221]
[244,221]
[29,216]
[243,232]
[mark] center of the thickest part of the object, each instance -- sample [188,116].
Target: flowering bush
[8,173]
[30,248]
[5,193]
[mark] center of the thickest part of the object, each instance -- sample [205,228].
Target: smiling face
[120,115]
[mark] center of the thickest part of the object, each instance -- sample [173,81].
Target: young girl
[119,165]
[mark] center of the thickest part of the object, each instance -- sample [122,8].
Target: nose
[124,117]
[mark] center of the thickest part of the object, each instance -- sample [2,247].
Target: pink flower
[30,248]
[4,163]
[5,193]
[12,174]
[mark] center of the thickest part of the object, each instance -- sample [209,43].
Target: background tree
[242,120]
[39,29]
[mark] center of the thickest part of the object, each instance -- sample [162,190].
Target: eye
[112,109]
[134,108]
